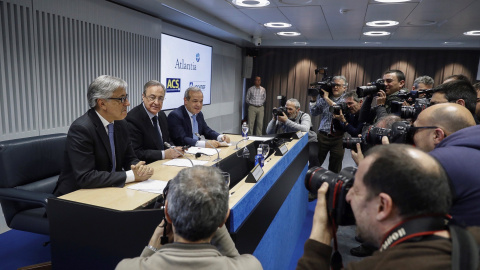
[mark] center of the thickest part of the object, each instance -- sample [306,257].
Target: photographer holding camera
[348,120]
[399,198]
[387,88]
[291,119]
[196,210]
[329,139]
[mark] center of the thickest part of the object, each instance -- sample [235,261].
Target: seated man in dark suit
[89,159]
[148,126]
[186,120]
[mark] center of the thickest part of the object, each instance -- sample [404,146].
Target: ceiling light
[392,1]
[288,34]
[382,23]
[372,43]
[377,33]
[251,3]
[299,43]
[277,24]
[472,33]
[452,43]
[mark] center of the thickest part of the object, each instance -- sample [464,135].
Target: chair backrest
[32,163]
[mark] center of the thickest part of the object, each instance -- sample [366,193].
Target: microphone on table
[218,153]
[167,145]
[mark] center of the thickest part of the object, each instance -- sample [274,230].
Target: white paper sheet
[206,151]
[262,139]
[182,162]
[150,185]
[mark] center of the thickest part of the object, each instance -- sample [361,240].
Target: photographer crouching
[291,119]
[399,198]
[346,116]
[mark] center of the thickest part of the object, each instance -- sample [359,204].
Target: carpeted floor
[18,249]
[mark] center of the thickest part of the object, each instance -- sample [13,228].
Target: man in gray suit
[196,210]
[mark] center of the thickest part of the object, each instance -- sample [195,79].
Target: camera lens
[351,143]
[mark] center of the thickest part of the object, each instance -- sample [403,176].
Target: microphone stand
[236,145]
[173,147]
[218,153]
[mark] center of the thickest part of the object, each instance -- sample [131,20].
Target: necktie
[194,126]
[155,125]
[112,144]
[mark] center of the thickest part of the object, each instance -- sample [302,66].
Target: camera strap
[411,228]
[336,261]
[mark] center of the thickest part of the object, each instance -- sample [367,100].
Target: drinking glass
[226,177]
[265,149]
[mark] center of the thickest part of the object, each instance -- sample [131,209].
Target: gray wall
[50,51]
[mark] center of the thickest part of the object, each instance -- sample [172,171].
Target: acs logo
[173,85]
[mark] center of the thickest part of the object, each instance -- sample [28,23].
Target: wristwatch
[152,248]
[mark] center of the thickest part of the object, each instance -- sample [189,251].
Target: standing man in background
[256,96]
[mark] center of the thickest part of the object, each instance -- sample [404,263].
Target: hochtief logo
[198,84]
[173,85]
[197,57]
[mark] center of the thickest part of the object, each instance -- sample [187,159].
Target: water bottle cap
[259,151]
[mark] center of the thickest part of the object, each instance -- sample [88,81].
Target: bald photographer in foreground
[399,198]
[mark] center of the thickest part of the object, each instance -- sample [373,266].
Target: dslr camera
[410,112]
[338,186]
[335,109]
[326,84]
[375,87]
[400,132]
[279,111]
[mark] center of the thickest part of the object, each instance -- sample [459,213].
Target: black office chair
[29,170]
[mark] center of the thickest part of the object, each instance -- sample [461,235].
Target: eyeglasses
[413,129]
[121,99]
[153,98]
[338,85]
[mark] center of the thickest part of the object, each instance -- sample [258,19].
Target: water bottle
[244,129]
[259,158]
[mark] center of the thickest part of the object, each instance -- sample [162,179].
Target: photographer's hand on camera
[327,99]
[340,117]
[282,118]
[155,241]
[382,98]
[357,156]
[321,228]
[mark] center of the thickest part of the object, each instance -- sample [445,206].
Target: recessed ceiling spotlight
[277,24]
[392,1]
[251,3]
[300,43]
[452,43]
[382,23]
[288,34]
[472,33]
[377,33]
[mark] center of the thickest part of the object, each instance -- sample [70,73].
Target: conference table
[96,228]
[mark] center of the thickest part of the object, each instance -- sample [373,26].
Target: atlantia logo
[173,85]
[183,65]
[197,57]
[198,84]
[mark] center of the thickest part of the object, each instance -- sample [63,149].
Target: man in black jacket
[148,125]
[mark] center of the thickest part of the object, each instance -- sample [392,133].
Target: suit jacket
[88,158]
[145,141]
[180,127]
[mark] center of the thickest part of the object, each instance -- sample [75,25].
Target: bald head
[450,117]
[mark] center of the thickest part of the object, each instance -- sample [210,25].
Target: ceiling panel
[397,12]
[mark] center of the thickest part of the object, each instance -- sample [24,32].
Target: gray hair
[427,80]
[197,202]
[103,88]
[387,121]
[295,102]
[191,89]
[152,83]
[353,95]
[341,77]
[477,86]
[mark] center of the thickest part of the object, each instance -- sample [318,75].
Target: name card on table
[254,174]
[281,150]
[298,135]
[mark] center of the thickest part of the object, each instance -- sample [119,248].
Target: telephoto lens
[338,186]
